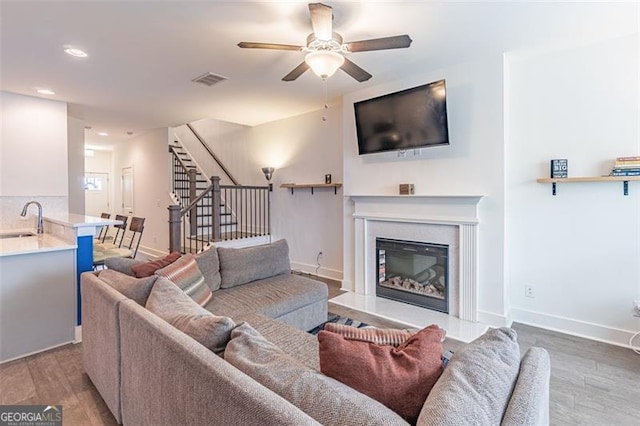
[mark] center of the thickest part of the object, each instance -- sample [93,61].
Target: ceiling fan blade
[296,72]
[355,71]
[321,20]
[273,46]
[395,42]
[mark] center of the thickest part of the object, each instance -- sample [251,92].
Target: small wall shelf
[293,186]
[624,179]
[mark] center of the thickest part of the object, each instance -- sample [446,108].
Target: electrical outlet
[636,308]
[528,291]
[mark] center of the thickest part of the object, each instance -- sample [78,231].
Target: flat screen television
[412,118]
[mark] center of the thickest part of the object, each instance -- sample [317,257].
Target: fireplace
[413,272]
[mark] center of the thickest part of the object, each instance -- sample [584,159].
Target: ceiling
[144,54]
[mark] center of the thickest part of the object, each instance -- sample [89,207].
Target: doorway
[96,189]
[127,191]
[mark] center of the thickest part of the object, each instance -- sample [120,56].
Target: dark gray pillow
[241,266]
[476,386]
[323,398]
[171,304]
[137,289]
[209,265]
[122,264]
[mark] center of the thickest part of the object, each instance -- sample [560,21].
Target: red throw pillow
[149,268]
[400,378]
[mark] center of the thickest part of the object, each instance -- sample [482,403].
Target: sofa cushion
[146,269]
[326,400]
[172,305]
[529,403]
[273,296]
[379,336]
[241,266]
[185,273]
[476,385]
[209,265]
[400,378]
[137,289]
[122,264]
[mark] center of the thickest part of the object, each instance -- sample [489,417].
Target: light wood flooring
[592,383]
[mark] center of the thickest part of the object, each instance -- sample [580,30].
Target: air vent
[209,79]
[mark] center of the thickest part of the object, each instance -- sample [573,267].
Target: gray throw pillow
[171,304]
[326,400]
[209,265]
[241,266]
[137,289]
[122,264]
[476,386]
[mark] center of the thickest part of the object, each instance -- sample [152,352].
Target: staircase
[206,211]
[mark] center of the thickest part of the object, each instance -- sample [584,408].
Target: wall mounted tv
[412,118]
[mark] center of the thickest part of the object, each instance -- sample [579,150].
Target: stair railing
[213,155]
[251,216]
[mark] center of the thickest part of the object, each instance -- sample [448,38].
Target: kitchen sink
[16,235]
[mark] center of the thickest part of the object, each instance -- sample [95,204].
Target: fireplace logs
[435,289]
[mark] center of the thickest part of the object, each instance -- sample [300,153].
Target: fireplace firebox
[413,272]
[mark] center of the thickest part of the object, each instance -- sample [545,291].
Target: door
[96,193]
[127,191]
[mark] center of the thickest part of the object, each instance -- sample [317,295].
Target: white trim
[78,334]
[35,352]
[435,220]
[587,330]
[495,320]
[151,252]
[306,268]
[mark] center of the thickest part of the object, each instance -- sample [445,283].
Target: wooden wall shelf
[624,179]
[293,186]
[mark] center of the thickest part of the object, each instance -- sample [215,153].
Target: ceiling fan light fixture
[324,63]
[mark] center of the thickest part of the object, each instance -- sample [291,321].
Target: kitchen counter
[37,293]
[36,244]
[80,221]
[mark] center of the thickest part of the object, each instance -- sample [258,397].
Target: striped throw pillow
[379,336]
[185,273]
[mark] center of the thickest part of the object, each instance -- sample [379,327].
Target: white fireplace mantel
[422,215]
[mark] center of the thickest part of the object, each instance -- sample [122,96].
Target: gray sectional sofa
[150,373]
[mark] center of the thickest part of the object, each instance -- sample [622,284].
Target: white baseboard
[35,352]
[333,274]
[600,333]
[78,334]
[151,252]
[494,320]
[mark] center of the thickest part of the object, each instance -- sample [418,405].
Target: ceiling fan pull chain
[324,94]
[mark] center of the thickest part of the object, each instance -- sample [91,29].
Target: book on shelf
[630,163]
[627,172]
[559,168]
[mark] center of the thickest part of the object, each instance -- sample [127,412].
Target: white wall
[33,158]
[473,163]
[34,146]
[148,156]
[303,149]
[75,157]
[580,249]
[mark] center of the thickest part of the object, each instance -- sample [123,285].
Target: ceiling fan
[325,48]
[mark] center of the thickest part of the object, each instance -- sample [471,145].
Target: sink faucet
[24,213]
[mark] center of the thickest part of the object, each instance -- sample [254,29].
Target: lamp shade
[268,172]
[324,63]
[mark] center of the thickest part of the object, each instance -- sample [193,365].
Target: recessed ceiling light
[78,53]
[103,134]
[46,92]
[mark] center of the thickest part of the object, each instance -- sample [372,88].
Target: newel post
[174,228]
[216,232]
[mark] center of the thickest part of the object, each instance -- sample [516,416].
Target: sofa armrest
[169,378]
[101,338]
[529,403]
